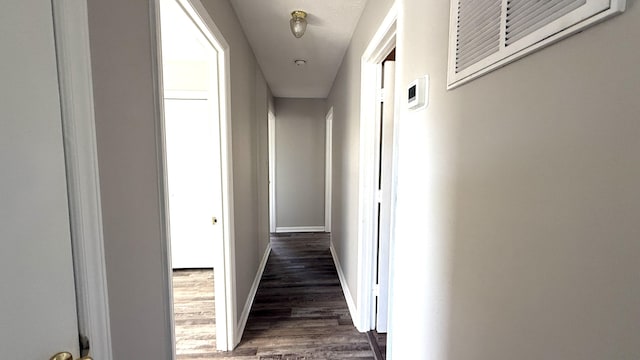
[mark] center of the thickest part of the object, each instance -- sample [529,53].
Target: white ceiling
[330,26]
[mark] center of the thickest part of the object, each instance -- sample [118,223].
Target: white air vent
[487,34]
[478,31]
[526,16]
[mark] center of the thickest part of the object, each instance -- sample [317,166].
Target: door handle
[214,220]
[67,356]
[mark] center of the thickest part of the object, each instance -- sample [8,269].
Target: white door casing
[225,286]
[83,181]
[386,187]
[37,290]
[381,44]
[272,172]
[328,161]
[192,131]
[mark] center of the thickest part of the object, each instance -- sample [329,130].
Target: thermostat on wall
[418,93]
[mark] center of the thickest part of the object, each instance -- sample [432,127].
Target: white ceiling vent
[487,34]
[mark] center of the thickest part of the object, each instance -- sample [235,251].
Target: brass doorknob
[67,356]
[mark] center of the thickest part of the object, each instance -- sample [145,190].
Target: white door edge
[388,120]
[328,170]
[272,172]
[83,182]
[381,44]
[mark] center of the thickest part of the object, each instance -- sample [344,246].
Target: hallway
[299,310]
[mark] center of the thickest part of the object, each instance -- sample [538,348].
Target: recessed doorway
[197,177]
[377,180]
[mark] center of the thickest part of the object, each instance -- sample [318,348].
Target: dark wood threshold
[375,348]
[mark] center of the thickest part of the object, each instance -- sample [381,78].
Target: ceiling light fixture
[298,23]
[300,62]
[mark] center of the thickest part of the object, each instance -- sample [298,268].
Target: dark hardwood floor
[382,343]
[299,311]
[378,342]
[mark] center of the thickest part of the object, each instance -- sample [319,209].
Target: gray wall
[345,99]
[249,94]
[300,143]
[517,215]
[125,125]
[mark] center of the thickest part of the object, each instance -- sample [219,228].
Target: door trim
[328,163]
[272,172]
[226,331]
[380,45]
[71,28]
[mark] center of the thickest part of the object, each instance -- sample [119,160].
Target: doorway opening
[382,238]
[198,194]
[377,179]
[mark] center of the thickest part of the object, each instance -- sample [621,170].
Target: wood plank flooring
[299,311]
[382,343]
[194,312]
[378,343]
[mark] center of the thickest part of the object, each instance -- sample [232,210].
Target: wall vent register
[487,34]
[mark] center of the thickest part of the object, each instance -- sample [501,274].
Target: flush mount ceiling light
[300,62]
[298,23]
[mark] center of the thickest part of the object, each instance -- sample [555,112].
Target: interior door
[192,168]
[37,293]
[385,183]
[192,136]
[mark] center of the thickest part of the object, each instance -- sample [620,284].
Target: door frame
[378,48]
[386,138]
[71,27]
[225,293]
[272,172]
[328,163]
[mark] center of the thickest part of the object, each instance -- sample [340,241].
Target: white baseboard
[252,295]
[355,316]
[300,229]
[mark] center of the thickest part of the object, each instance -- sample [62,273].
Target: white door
[385,184]
[193,178]
[37,294]
[192,136]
